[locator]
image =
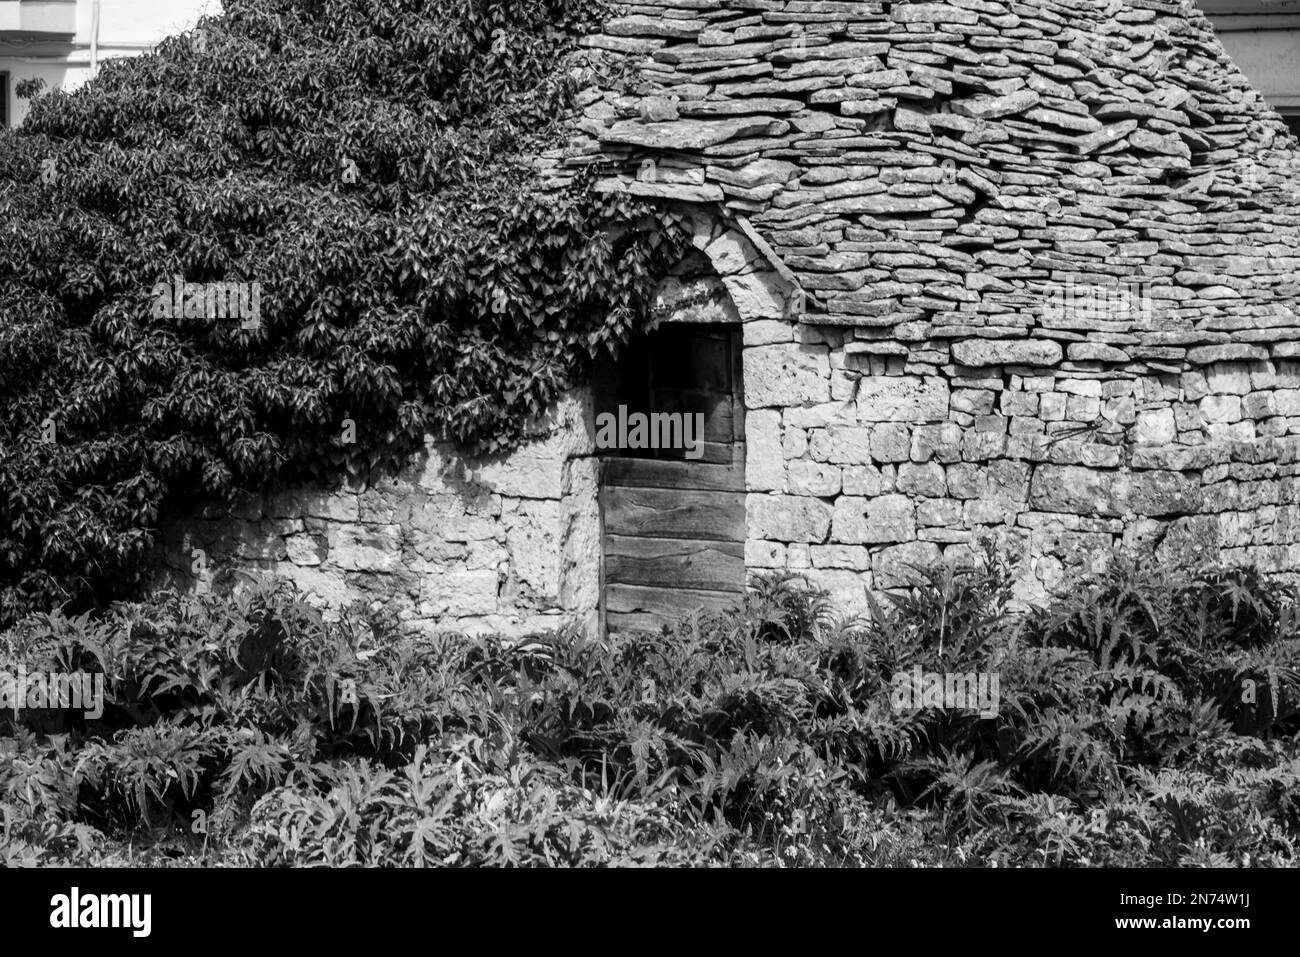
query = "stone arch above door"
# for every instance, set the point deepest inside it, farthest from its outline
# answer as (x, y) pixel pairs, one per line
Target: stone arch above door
(760, 287)
(673, 528)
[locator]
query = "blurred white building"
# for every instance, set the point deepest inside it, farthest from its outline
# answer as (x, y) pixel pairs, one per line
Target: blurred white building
(1263, 39)
(63, 41)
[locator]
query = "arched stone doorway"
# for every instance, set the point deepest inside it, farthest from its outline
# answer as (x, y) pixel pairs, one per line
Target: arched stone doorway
(673, 514)
(672, 484)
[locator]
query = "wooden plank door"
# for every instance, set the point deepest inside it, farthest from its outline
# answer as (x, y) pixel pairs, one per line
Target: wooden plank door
(674, 527)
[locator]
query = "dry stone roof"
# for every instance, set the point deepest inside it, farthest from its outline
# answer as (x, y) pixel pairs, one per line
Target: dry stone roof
(939, 171)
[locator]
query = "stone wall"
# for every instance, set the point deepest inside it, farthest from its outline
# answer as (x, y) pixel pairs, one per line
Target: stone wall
(508, 544)
(511, 544)
(863, 464)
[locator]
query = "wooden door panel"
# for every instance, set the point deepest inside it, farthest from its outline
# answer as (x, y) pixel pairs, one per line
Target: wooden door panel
(646, 607)
(719, 416)
(661, 473)
(675, 513)
(675, 563)
(674, 527)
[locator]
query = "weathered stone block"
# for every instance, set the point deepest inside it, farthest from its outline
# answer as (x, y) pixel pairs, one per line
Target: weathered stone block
(862, 480)
(533, 541)
(1083, 491)
(252, 542)
(966, 480)
(459, 592)
(843, 445)
(534, 471)
(785, 374)
(943, 512)
(1221, 408)
(368, 548)
(759, 554)
(1287, 401)
(1229, 378)
(1206, 355)
(1156, 427)
(305, 550)
(1051, 407)
(1258, 405)
(886, 518)
(580, 539)
(764, 461)
(1121, 410)
(939, 442)
(980, 446)
(1095, 352)
(729, 253)
(758, 295)
(1007, 482)
(972, 401)
(890, 442)
(924, 480)
(1087, 491)
(855, 557)
(885, 398)
(985, 511)
(452, 518)
(1008, 352)
(787, 518)
(1082, 408)
(1232, 431)
(813, 478)
(1019, 403)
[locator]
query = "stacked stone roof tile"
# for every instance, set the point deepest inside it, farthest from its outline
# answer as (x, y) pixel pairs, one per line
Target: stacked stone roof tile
(939, 172)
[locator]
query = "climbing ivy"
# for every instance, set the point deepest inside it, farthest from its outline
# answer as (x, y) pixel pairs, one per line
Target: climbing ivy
(363, 169)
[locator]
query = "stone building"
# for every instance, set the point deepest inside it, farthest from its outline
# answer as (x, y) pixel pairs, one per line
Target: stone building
(63, 42)
(1263, 39)
(971, 268)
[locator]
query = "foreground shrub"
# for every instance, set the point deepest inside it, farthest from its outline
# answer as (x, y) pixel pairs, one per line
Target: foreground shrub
(1149, 716)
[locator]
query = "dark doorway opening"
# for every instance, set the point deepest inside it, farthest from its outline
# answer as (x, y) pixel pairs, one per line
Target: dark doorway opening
(673, 515)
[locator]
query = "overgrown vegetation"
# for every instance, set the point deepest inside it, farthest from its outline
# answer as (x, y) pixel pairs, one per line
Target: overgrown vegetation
(436, 291)
(1149, 716)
